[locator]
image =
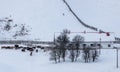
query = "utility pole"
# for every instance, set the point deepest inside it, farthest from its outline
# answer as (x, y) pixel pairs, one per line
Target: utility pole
(117, 57)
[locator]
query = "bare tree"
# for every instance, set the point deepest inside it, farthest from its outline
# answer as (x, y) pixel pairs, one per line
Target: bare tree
(7, 27)
(7, 21)
(90, 53)
(53, 55)
(7, 24)
(62, 41)
(77, 40)
(86, 54)
(72, 52)
(23, 30)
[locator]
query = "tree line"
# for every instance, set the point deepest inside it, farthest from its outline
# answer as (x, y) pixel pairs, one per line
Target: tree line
(65, 49)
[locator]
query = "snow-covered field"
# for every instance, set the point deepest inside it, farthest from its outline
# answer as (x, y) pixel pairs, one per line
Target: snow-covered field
(17, 61)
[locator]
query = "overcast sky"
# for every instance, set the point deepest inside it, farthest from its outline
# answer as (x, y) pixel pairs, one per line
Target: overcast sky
(46, 16)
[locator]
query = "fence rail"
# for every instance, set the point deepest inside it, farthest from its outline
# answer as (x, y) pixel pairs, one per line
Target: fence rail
(47, 42)
(24, 42)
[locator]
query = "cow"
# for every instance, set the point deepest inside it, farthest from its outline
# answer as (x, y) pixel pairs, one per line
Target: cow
(23, 50)
(30, 49)
(36, 50)
(7, 47)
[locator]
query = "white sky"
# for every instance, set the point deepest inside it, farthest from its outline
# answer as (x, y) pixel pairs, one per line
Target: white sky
(45, 16)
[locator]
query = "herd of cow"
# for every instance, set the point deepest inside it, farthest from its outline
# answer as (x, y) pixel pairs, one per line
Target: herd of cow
(24, 48)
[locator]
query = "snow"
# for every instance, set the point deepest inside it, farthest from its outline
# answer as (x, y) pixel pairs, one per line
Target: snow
(17, 61)
(46, 17)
